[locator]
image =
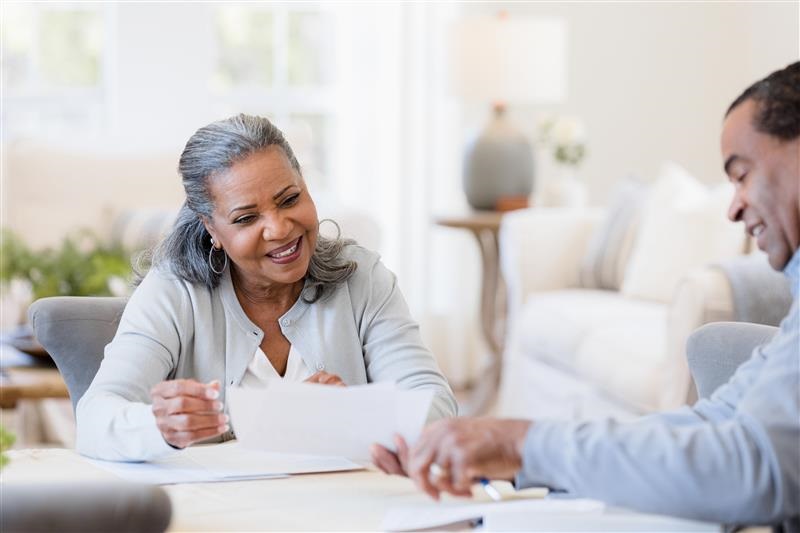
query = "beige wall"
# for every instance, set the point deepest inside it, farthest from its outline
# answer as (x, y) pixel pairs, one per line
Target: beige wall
(653, 80)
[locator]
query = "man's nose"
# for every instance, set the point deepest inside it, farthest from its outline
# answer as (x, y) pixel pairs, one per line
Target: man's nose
(736, 209)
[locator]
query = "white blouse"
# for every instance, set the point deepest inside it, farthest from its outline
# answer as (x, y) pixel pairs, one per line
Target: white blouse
(260, 369)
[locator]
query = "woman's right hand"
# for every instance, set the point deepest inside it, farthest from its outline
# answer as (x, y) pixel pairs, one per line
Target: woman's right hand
(188, 411)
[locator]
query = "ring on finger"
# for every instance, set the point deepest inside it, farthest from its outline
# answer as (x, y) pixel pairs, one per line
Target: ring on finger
(436, 472)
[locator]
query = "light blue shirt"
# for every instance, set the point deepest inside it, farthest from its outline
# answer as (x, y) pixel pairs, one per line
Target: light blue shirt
(732, 458)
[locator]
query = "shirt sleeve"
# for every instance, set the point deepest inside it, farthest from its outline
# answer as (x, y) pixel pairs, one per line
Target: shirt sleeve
(114, 419)
(393, 347)
(734, 458)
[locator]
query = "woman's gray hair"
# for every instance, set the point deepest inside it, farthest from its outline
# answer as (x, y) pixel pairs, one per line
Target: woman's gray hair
(214, 149)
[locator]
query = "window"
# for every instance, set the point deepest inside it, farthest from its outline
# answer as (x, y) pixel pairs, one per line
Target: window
(53, 75)
(279, 61)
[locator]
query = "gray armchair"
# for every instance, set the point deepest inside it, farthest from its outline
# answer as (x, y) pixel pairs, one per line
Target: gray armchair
(75, 330)
(714, 352)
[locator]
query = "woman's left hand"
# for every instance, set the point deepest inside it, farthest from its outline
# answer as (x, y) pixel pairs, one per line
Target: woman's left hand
(390, 462)
(323, 378)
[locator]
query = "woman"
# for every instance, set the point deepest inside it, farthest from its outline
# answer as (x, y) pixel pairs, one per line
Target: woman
(242, 290)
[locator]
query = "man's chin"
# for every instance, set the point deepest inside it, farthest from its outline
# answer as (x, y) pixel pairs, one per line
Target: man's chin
(778, 259)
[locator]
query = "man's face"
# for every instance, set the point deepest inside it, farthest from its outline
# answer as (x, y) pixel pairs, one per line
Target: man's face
(766, 173)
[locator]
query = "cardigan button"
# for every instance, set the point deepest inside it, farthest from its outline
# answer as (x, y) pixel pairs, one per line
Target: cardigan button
(320, 367)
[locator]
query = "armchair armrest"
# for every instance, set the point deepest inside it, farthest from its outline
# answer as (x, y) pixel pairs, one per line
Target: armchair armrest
(742, 289)
(703, 295)
(541, 249)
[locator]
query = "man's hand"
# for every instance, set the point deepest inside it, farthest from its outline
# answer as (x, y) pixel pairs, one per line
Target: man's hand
(390, 462)
(188, 411)
(464, 450)
(323, 378)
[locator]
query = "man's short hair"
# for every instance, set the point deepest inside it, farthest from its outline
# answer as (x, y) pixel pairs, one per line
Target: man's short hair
(777, 99)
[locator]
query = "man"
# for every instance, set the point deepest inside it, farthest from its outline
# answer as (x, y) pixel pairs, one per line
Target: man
(733, 458)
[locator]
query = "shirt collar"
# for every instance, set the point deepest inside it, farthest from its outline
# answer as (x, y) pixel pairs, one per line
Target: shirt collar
(792, 271)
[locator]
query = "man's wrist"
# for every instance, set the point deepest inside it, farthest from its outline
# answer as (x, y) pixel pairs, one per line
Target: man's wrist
(521, 433)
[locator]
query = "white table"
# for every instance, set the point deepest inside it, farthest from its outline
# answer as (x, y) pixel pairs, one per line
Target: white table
(349, 501)
(336, 501)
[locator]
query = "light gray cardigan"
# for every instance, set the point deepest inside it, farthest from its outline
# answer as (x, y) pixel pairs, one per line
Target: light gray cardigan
(362, 331)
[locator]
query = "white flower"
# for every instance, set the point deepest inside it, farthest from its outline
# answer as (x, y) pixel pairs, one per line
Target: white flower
(566, 137)
(568, 131)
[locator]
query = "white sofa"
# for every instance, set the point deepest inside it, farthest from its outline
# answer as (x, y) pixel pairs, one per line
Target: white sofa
(584, 353)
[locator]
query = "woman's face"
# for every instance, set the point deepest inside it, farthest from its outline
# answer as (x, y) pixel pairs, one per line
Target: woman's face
(264, 218)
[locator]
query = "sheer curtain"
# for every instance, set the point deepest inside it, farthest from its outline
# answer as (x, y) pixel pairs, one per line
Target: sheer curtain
(398, 154)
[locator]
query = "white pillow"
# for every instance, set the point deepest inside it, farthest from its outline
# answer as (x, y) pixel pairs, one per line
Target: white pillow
(684, 225)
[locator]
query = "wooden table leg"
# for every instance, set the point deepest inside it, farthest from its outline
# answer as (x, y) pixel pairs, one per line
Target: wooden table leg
(492, 322)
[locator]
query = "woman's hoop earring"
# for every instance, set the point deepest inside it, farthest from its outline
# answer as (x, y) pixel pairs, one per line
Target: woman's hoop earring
(336, 225)
(211, 259)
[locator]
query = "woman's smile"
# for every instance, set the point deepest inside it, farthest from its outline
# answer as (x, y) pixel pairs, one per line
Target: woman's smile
(288, 253)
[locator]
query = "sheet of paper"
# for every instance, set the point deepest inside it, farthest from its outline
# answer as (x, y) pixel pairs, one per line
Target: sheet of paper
(223, 462)
(434, 515)
(291, 417)
(611, 520)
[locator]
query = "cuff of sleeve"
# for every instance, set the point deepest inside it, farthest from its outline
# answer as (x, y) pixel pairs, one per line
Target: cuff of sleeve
(151, 445)
(543, 454)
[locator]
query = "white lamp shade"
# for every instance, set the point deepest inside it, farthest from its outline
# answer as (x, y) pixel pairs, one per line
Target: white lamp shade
(509, 60)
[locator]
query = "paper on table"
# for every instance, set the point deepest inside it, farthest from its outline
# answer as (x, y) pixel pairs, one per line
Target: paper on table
(610, 520)
(317, 419)
(424, 516)
(223, 462)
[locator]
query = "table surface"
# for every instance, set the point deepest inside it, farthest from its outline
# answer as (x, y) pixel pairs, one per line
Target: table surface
(316, 502)
(344, 501)
(476, 220)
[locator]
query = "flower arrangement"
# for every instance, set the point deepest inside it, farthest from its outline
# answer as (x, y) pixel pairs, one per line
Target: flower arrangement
(566, 136)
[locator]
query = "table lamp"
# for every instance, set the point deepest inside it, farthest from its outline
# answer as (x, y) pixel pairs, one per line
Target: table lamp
(505, 61)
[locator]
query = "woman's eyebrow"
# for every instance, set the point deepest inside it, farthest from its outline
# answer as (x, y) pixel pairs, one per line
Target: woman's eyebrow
(242, 208)
(280, 193)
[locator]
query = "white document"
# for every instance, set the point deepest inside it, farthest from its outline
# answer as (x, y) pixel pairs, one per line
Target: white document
(223, 462)
(611, 521)
(291, 417)
(440, 514)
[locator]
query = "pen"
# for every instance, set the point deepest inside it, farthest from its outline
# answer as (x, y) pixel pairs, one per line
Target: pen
(489, 489)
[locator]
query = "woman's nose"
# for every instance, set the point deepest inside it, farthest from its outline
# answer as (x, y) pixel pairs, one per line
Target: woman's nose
(277, 227)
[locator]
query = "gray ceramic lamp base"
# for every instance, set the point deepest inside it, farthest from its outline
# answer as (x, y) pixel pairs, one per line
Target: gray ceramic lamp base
(498, 166)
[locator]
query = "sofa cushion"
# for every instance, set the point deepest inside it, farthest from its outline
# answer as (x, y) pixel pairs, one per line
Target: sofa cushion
(684, 225)
(603, 266)
(615, 342)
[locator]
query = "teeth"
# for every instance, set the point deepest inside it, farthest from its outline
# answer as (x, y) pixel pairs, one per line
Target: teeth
(284, 253)
(757, 230)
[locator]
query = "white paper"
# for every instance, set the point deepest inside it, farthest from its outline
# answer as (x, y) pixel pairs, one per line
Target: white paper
(291, 417)
(223, 462)
(439, 514)
(611, 520)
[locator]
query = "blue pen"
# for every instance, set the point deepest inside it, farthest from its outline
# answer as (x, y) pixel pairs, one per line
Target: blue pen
(489, 489)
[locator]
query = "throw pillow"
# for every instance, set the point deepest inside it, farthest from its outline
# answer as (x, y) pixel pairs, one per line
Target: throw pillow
(603, 266)
(683, 226)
